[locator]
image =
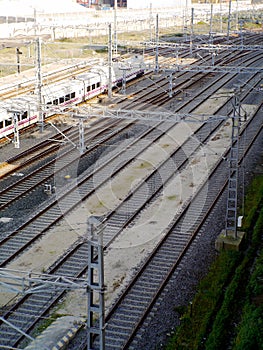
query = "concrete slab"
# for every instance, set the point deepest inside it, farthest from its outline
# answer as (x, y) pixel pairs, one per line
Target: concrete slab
(57, 335)
(230, 242)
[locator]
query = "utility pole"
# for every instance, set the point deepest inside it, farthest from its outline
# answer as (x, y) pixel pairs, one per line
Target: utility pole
(115, 28)
(241, 34)
(96, 288)
(81, 136)
(191, 31)
(18, 53)
(171, 85)
(211, 25)
(35, 22)
(237, 16)
(231, 214)
(157, 44)
(221, 17)
(15, 118)
(150, 22)
(39, 86)
(110, 63)
(229, 20)
(185, 13)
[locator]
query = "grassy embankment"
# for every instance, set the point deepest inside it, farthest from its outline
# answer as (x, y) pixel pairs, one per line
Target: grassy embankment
(227, 311)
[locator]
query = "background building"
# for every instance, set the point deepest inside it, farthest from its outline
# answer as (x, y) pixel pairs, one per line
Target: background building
(157, 3)
(134, 4)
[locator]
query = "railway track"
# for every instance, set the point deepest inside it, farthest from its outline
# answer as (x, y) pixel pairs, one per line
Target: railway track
(128, 314)
(186, 81)
(24, 87)
(37, 177)
(45, 149)
(15, 315)
(66, 199)
(54, 296)
(13, 236)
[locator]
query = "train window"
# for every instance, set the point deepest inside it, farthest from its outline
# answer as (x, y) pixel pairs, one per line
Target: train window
(98, 84)
(73, 95)
(67, 97)
(24, 115)
(61, 99)
(1, 125)
(49, 103)
(55, 102)
(93, 86)
(88, 88)
(8, 122)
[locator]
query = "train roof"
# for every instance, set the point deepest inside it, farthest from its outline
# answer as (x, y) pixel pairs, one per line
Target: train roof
(133, 61)
(3, 112)
(23, 103)
(19, 104)
(60, 89)
(93, 73)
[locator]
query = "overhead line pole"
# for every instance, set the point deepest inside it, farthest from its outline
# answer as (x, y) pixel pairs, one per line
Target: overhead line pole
(15, 118)
(95, 289)
(191, 31)
(157, 44)
(115, 28)
(229, 20)
(39, 86)
(231, 214)
(211, 24)
(110, 63)
(150, 22)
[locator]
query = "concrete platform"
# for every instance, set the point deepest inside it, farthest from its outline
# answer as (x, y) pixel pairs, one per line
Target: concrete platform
(57, 335)
(230, 242)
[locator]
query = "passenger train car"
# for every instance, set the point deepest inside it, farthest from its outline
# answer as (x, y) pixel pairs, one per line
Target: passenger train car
(64, 95)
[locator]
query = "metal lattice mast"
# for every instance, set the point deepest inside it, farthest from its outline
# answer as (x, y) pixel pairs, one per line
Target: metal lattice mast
(157, 45)
(115, 28)
(150, 22)
(81, 137)
(27, 283)
(229, 20)
(110, 63)
(15, 116)
(191, 31)
(39, 86)
(124, 79)
(211, 25)
(231, 214)
(16, 131)
(95, 290)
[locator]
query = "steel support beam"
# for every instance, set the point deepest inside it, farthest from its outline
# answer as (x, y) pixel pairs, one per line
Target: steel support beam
(15, 120)
(231, 213)
(96, 289)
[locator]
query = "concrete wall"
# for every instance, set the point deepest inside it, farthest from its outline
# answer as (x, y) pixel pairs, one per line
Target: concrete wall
(137, 4)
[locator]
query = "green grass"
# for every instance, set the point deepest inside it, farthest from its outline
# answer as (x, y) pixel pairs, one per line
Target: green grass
(197, 319)
(252, 201)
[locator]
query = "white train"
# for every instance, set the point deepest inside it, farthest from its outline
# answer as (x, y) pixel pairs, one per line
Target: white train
(64, 95)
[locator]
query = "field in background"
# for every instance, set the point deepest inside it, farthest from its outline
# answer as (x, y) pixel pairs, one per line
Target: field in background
(92, 47)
